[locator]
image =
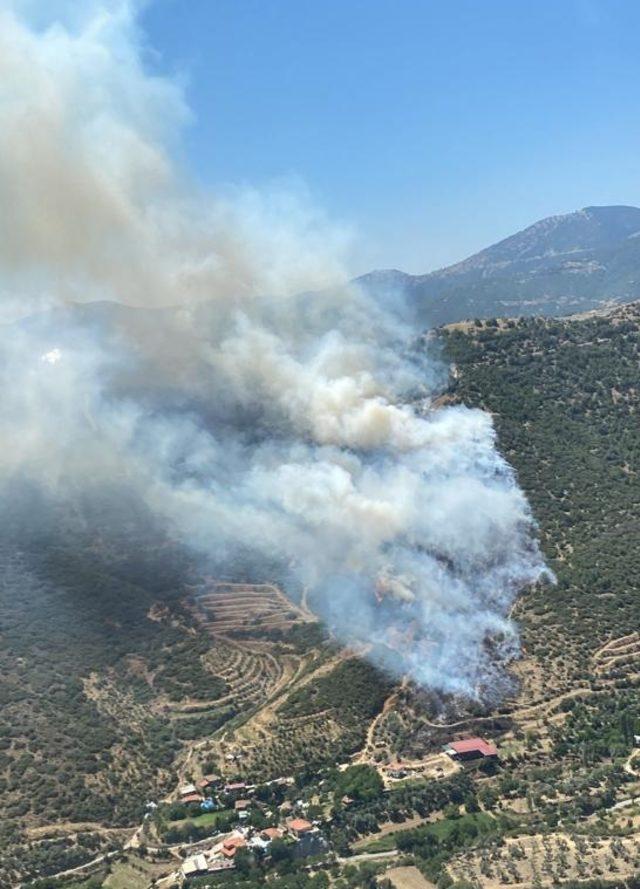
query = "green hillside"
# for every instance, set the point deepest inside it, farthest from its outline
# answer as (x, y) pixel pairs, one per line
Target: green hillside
(564, 394)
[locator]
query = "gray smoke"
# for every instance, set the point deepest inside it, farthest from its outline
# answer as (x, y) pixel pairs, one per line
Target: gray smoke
(221, 369)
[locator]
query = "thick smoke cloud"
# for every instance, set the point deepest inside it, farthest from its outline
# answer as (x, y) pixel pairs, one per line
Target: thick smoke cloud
(218, 367)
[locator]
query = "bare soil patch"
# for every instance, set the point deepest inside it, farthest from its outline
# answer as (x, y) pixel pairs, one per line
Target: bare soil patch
(407, 878)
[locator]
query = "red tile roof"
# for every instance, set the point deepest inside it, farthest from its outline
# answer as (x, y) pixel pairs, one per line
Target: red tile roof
(191, 798)
(299, 825)
(206, 781)
(473, 745)
(231, 846)
(234, 842)
(273, 833)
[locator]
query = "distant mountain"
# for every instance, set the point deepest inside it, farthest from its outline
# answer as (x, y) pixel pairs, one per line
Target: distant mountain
(558, 266)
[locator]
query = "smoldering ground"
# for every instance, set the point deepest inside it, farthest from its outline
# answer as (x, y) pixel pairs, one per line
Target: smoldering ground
(203, 353)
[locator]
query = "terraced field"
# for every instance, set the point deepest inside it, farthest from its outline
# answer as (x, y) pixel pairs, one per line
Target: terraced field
(254, 669)
(231, 608)
(618, 657)
(249, 673)
(259, 667)
(269, 742)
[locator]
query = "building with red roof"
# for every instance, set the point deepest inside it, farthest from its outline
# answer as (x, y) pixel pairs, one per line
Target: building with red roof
(271, 833)
(471, 748)
(235, 788)
(207, 781)
(231, 846)
(299, 826)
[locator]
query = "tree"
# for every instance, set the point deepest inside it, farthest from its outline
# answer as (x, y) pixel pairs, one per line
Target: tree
(471, 803)
(361, 782)
(280, 851)
(243, 861)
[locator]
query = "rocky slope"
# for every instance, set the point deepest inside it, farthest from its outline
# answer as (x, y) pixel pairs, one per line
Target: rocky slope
(558, 266)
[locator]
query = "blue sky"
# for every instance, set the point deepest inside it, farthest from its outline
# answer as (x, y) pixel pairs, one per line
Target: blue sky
(433, 128)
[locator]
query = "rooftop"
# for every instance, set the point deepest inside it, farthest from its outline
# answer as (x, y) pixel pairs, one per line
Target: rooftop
(273, 833)
(473, 745)
(234, 843)
(300, 825)
(235, 785)
(194, 865)
(207, 780)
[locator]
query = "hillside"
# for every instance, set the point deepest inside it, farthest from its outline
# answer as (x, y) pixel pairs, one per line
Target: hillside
(564, 396)
(564, 806)
(558, 266)
(113, 699)
(115, 683)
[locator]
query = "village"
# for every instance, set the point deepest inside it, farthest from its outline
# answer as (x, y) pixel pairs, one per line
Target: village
(268, 822)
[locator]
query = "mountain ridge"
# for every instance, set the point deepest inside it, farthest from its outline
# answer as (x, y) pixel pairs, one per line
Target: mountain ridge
(559, 265)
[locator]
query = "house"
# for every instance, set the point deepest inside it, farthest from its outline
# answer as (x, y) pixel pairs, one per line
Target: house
(471, 748)
(231, 846)
(396, 770)
(207, 781)
(187, 790)
(191, 798)
(241, 805)
(299, 827)
(198, 864)
(235, 787)
(271, 833)
(208, 805)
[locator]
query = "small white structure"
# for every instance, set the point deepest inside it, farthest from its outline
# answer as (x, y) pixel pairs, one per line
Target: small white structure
(196, 865)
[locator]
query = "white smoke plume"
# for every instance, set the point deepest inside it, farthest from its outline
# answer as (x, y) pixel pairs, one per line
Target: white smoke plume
(219, 367)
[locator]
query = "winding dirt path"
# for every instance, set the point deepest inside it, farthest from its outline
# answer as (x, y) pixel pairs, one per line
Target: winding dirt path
(628, 765)
(365, 754)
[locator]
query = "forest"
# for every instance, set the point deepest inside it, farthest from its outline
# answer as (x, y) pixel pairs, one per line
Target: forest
(564, 397)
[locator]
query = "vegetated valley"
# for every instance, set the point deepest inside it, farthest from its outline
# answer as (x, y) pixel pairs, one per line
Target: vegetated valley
(127, 677)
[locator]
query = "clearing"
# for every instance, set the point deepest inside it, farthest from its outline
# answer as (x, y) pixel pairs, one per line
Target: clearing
(407, 878)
